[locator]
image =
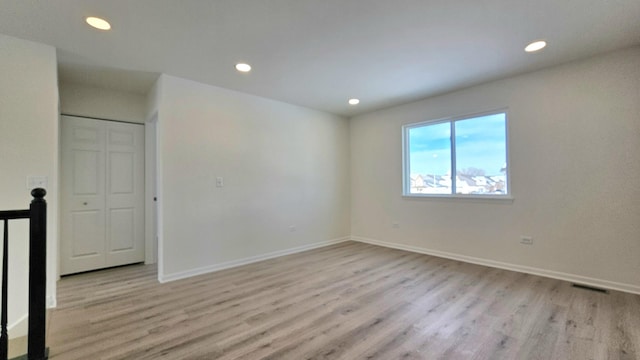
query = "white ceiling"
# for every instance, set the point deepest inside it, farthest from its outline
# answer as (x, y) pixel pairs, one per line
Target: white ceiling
(320, 53)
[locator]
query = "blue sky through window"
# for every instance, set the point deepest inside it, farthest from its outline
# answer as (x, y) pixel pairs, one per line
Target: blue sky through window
(480, 144)
(430, 149)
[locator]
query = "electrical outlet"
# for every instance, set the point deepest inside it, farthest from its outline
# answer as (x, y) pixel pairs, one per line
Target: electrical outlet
(292, 228)
(219, 181)
(526, 240)
(395, 225)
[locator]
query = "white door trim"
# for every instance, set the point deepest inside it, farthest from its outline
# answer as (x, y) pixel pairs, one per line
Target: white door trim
(151, 224)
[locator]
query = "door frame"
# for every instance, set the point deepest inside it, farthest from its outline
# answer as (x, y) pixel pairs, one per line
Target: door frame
(151, 186)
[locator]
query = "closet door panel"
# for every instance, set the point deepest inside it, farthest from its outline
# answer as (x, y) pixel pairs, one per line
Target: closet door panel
(125, 194)
(102, 194)
(82, 245)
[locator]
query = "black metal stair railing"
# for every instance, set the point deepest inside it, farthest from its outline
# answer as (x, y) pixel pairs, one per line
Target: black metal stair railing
(37, 215)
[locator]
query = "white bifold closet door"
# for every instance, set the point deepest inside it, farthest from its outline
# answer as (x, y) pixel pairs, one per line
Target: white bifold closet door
(102, 194)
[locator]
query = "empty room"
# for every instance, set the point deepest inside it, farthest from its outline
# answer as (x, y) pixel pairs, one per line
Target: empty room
(320, 179)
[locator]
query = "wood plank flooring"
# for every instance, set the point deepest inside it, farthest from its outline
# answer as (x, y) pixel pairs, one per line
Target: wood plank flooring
(348, 301)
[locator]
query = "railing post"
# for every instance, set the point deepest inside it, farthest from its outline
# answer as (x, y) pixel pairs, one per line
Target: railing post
(37, 275)
(4, 336)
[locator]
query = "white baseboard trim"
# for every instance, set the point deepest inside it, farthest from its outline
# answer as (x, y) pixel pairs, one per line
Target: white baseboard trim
(19, 327)
(235, 263)
(579, 279)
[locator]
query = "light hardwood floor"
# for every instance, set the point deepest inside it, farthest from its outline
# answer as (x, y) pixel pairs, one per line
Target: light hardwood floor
(347, 301)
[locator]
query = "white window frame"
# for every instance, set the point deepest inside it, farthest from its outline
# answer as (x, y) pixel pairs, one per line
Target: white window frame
(406, 176)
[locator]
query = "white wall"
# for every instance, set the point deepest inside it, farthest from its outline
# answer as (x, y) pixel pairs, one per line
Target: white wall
(152, 100)
(282, 165)
(28, 146)
(574, 150)
(91, 101)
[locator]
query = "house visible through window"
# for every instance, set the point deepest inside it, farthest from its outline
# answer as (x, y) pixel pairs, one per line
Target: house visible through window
(462, 156)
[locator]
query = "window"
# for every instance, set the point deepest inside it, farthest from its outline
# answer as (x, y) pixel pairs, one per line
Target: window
(474, 148)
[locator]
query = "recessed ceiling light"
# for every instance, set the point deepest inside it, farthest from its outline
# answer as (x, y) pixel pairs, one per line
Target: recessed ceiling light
(535, 46)
(243, 67)
(354, 101)
(98, 23)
